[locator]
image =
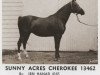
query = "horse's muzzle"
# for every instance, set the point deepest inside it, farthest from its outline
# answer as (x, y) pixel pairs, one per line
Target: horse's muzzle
(82, 12)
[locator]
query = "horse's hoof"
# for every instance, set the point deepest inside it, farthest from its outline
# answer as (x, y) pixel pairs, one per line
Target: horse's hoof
(27, 56)
(19, 59)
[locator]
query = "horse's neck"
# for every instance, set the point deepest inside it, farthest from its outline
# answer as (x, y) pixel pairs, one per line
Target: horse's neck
(64, 13)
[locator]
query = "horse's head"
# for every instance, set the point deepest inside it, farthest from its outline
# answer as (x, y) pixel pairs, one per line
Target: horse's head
(75, 8)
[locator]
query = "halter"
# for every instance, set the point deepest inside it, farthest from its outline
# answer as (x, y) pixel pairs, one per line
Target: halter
(83, 22)
(71, 4)
(78, 17)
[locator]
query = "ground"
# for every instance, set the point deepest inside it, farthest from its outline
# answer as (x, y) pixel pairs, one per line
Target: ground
(68, 57)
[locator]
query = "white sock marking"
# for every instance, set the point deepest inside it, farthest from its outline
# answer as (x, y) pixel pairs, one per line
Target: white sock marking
(19, 57)
(25, 52)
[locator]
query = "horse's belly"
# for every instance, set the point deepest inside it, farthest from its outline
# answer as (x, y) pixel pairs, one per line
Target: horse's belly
(42, 31)
(42, 34)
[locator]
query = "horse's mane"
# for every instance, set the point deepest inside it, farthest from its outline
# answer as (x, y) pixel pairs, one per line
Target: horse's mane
(63, 7)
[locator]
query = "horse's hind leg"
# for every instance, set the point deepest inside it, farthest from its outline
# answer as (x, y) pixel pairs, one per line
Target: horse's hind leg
(24, 44)
(19, 45)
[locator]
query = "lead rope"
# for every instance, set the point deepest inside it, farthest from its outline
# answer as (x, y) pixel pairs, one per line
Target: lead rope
(83, 22)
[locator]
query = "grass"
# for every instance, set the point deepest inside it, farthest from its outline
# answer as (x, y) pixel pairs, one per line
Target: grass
(67, 57)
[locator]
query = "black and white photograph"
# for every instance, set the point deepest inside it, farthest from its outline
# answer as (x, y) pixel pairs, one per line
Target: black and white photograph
(50, 32)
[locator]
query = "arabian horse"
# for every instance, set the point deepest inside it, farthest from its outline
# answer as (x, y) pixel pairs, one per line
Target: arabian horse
(51, 26)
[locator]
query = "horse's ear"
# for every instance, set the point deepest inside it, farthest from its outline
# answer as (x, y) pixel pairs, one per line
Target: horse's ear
(73, 0)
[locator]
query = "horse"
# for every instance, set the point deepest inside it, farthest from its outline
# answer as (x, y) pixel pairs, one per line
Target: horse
(50, 26)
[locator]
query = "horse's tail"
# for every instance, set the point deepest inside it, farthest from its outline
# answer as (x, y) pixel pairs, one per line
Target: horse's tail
(19, 18)
(19, 21)
(20, 24)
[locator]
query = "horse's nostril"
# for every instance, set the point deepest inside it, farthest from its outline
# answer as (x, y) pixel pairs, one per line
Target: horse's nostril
(83, 12)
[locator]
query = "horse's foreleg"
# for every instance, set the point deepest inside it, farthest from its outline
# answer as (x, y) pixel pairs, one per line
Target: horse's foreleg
(57, 39)
(19, 45)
